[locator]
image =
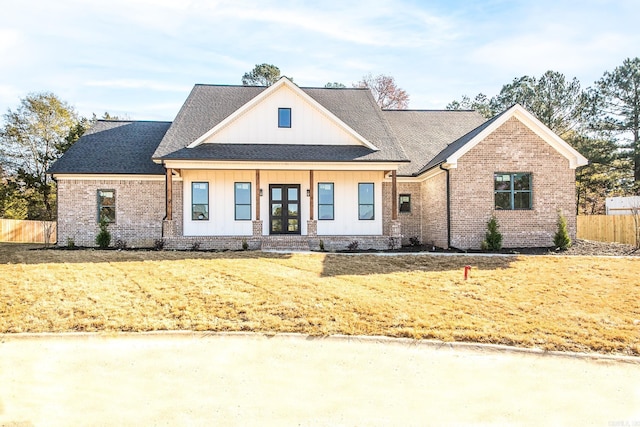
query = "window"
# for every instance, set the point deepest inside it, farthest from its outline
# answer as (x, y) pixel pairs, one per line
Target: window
(512, 190)
(365, 201)
(243, 201)
(199, 201)
(284, 117)
(325, 200)
(405, 203)
(107, 205)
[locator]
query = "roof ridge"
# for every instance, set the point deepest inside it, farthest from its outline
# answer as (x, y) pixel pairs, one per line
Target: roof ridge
(132, 121)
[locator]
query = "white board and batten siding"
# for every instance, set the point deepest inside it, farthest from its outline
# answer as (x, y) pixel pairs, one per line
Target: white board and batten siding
(260, 124)
(222, 221)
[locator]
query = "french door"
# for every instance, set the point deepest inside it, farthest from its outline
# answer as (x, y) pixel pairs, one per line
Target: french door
(284, 215)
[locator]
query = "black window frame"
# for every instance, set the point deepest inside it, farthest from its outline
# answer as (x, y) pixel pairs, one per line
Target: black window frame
(512, 191)
(208, 215)
(100, 205)
(236, 204)
(332, 204)
(373, 200)
(281, 123)
(408, 210)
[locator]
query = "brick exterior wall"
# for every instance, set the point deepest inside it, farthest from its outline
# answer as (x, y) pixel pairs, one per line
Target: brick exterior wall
(513, 147)
(140, 207)
(434, 208)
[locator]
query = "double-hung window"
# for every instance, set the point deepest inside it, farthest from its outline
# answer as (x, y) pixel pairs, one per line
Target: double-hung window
(325, 201)
(405, 203)
(199, 201)
(243, 201)
(366, 206)
(512, 191)
(107, 205)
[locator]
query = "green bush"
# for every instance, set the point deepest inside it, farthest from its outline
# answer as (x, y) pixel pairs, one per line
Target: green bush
(493, 237)
(103, 239)
(562, 240)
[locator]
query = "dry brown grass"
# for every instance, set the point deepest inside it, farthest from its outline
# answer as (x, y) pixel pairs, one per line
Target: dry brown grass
(549, 302)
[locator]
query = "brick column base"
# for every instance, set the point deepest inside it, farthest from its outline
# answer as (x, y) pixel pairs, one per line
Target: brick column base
(169, 228)
(312, 228)
(396, 229)
(257, 228)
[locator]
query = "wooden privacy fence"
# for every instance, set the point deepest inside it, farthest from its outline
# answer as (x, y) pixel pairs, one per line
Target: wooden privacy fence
(608, 228)
(23, 231)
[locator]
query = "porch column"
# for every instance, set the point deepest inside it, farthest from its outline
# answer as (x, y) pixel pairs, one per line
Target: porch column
(394, 196)
(169, 198)
(257, 224)
(312, 225)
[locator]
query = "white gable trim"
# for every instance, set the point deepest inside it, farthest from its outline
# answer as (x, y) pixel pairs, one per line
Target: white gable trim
(575, 159)
(267, 92)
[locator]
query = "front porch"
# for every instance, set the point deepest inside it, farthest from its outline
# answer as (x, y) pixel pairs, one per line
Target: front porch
(310, 242)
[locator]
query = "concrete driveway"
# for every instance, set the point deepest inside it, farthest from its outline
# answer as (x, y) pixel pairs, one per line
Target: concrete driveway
(200, 379)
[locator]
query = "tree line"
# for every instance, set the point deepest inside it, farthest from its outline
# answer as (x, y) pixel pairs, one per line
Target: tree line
(602, 122)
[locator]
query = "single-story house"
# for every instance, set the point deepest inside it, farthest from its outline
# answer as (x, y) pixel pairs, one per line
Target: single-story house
(288, 167)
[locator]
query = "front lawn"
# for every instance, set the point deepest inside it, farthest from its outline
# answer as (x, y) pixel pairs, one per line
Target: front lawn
(550, 302)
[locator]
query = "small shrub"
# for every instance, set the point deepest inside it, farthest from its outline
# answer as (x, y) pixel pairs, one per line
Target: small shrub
(493, 237)
(245, 245)
(561, 240)
(353, 246)
(103, 239)
(414, 241)
(158, 244)
(71, 244)
(484, 245)
(120, 244)
(195, 246)
(321, 245)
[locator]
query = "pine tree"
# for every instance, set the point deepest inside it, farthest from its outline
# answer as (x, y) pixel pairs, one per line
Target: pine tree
(493, 237)
(562, 240)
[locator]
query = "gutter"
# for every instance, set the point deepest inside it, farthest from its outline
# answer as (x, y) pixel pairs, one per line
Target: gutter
(448, 207)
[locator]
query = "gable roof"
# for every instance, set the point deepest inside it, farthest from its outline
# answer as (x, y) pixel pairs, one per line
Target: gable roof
(209, 105)
(114, 147)
(283, 82)
(450, 155)
(425, 133)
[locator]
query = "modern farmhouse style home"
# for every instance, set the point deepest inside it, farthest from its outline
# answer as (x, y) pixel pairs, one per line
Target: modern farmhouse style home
(288, 167)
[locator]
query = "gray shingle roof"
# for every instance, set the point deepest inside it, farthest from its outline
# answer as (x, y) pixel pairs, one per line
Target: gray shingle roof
(274, 152)
(424, 133)
(208, 105)
(457, 144)
(114, 147)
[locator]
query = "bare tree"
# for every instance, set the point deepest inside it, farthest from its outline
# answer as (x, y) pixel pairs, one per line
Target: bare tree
(385, 91)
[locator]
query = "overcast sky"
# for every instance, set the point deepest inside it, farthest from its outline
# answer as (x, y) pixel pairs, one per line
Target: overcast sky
(140, 58)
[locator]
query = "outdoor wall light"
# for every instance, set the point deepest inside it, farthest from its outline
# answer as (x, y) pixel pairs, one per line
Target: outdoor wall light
(261, 192)
(308, 192)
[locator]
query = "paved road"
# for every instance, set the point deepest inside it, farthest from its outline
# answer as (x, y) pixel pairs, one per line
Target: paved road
(199, 379)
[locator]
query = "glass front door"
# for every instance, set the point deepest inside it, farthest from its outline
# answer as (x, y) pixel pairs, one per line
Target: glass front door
(284, 216)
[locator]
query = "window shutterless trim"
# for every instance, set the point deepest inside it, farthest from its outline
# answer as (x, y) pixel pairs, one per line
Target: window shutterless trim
(100, 205)
(332, 204)
(236, 204)
(512, 191)
(400, 203)
(284, 121)
(373, 205)
(205, 218)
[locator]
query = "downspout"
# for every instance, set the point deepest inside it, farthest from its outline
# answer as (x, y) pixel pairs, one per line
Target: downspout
(448, 208)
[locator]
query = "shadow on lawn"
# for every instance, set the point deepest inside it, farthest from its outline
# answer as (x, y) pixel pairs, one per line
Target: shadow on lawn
(345, 265)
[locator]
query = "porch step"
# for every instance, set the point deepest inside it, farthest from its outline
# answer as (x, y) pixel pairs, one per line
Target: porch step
(285, 243)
